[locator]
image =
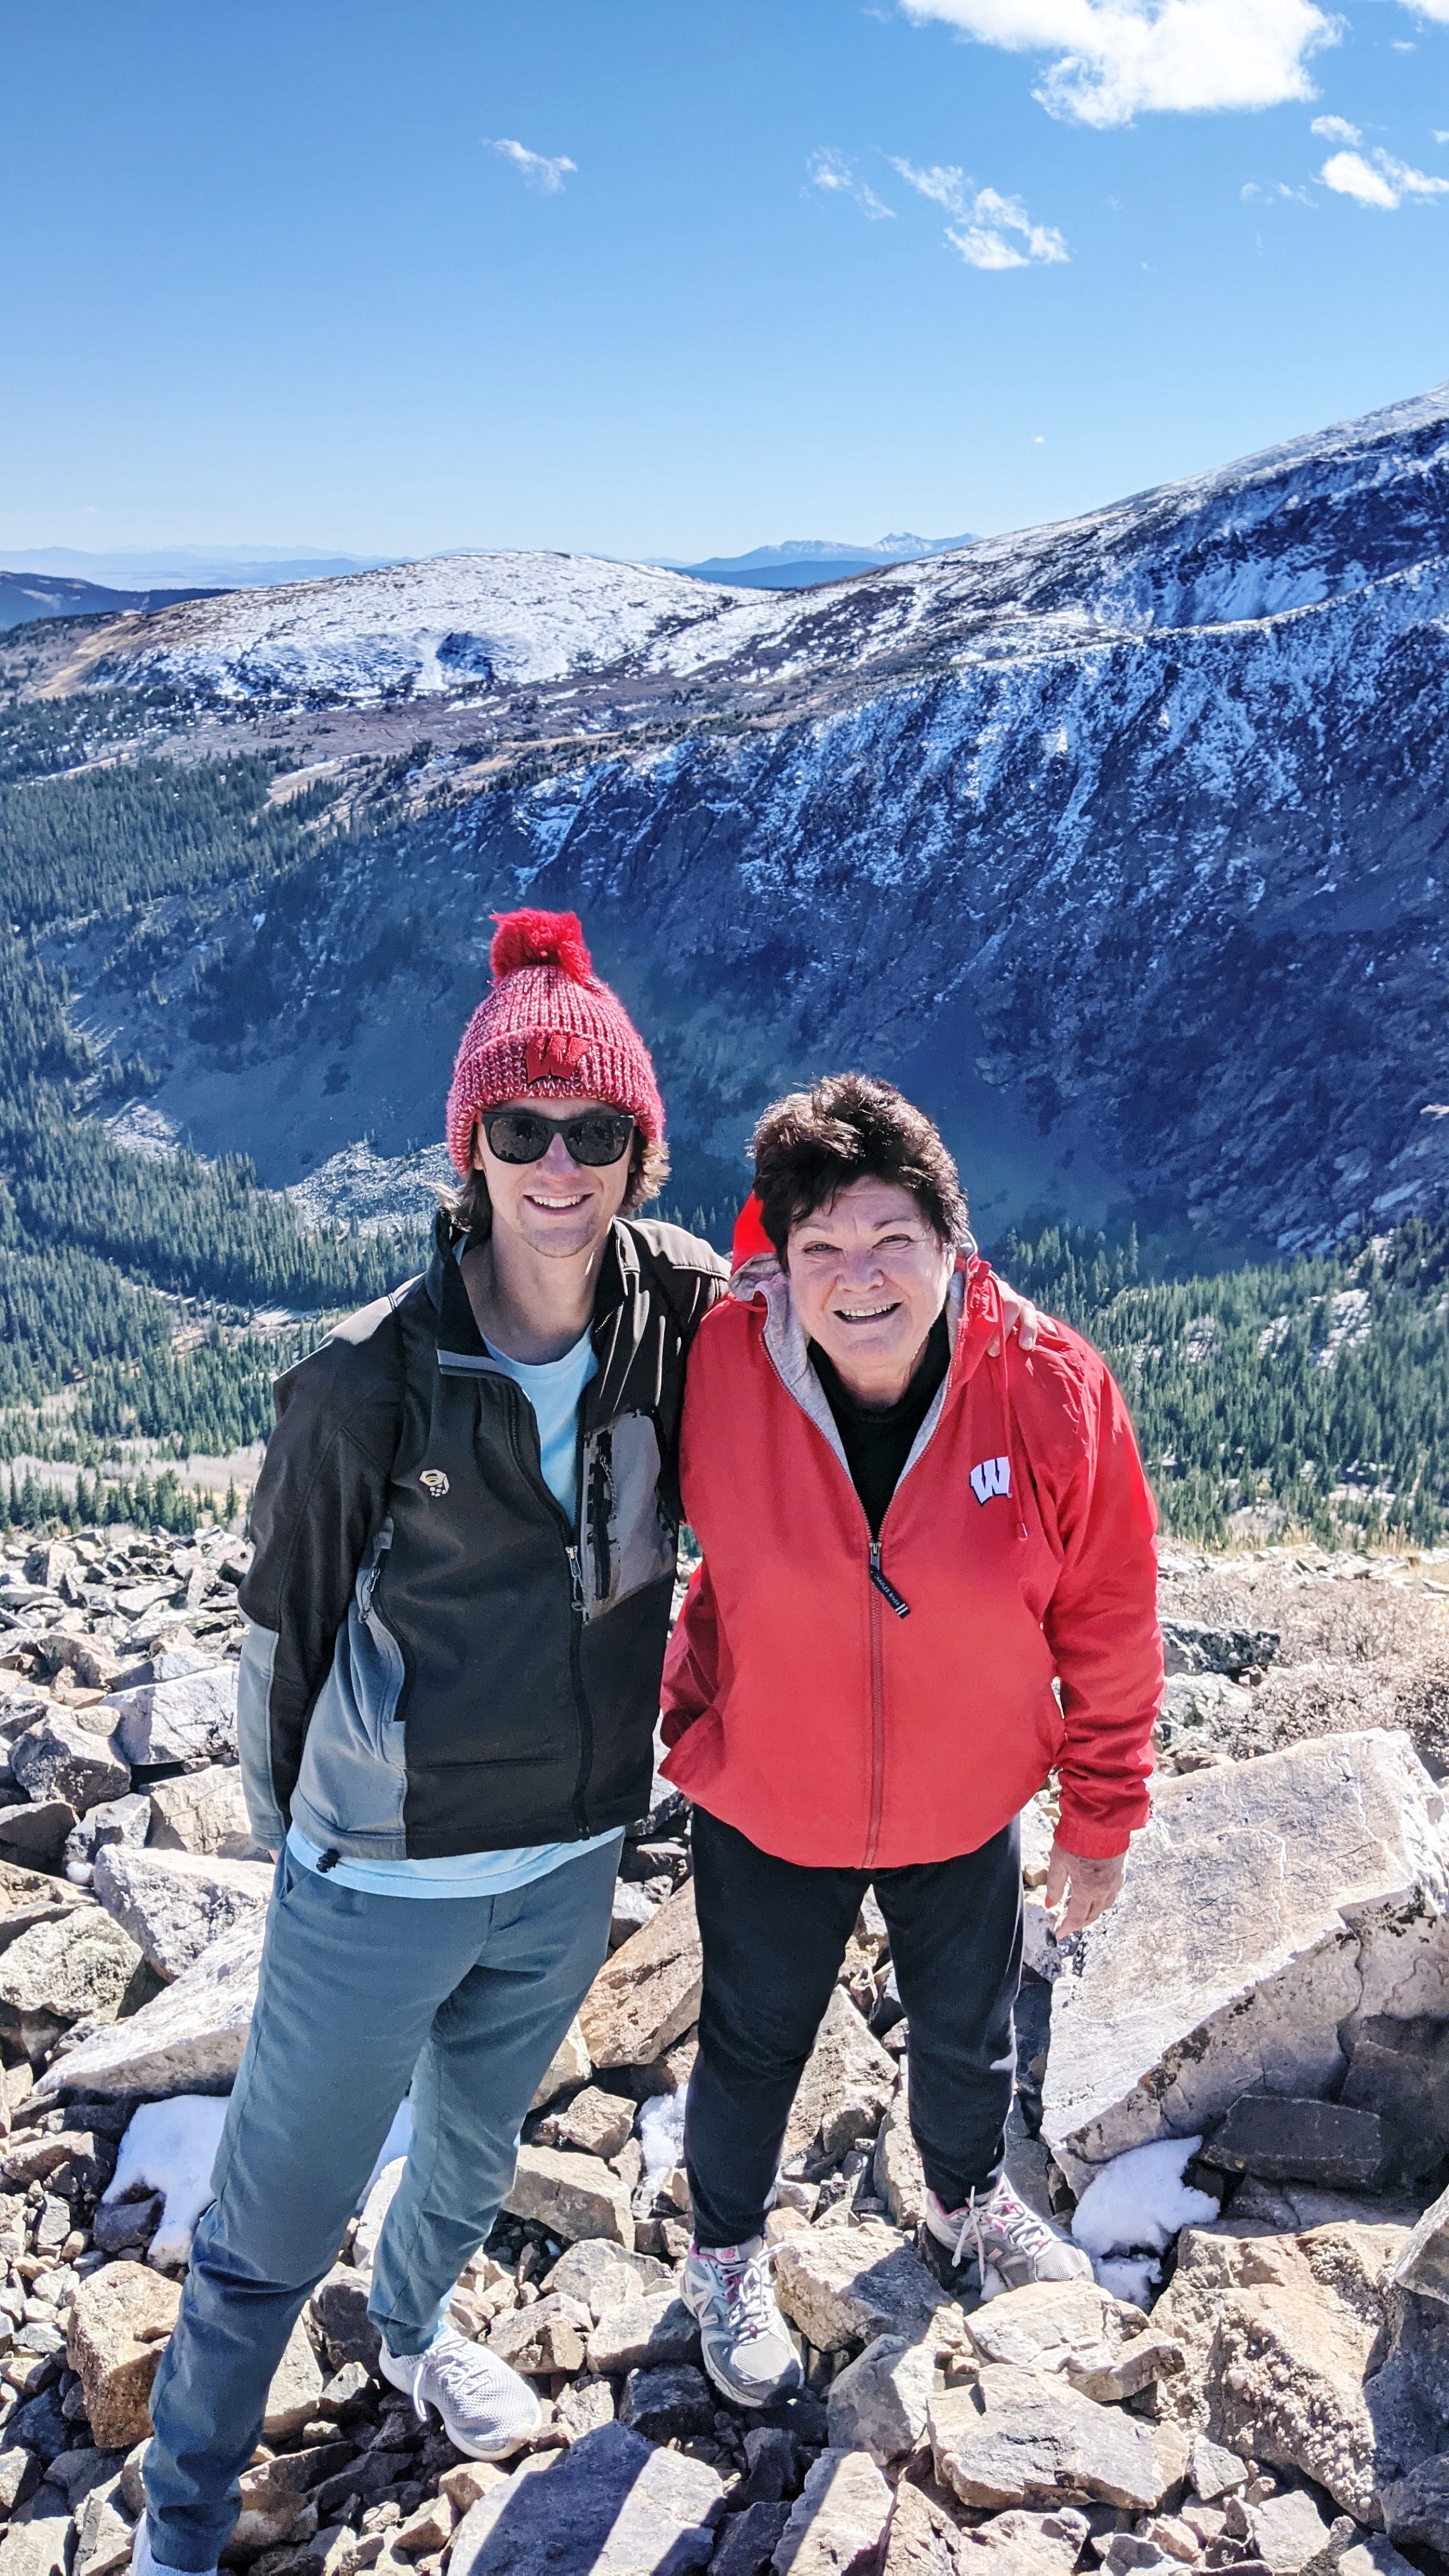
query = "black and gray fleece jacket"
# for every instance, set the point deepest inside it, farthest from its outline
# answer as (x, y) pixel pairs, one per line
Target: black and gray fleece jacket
(436, 1661)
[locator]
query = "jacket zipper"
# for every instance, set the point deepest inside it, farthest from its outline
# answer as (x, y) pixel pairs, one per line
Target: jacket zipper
(882, 1589)
(884, 1585)
(573, 1560)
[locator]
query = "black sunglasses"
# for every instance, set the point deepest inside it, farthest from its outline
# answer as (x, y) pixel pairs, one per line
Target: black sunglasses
(525, 1135)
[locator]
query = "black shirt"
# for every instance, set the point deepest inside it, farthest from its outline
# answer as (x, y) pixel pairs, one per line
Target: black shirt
(878, 1440)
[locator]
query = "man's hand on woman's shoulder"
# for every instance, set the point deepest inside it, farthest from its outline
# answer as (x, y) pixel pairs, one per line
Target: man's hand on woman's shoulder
(1019, 1316)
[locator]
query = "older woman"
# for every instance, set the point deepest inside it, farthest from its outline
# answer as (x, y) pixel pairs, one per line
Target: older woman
(928, 1582)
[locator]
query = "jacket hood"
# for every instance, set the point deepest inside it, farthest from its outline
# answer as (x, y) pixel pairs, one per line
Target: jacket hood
(972, 1297)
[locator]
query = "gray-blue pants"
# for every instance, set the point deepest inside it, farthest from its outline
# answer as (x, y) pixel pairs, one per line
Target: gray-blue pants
(466, 1999)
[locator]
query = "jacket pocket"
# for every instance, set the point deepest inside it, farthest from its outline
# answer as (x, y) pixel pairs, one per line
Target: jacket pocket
(353, 1779)
(627, 1540)
(697, 1757)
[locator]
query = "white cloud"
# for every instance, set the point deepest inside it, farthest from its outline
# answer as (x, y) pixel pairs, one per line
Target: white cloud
(541, 173)
(988, 242)
(1253, 189)
(1335, 129)
(832, 172)
(1383, 181)
(1115, 58)
(945, 186)
(990, 231)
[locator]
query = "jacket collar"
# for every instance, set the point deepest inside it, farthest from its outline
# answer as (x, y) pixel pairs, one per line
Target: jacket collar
(460, 1344)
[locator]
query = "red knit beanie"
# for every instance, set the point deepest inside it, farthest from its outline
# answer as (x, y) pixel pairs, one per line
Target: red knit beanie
(549, 1028)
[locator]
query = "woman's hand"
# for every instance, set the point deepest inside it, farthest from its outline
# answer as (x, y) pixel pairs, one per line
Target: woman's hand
(1019, 1316)
(1089, 1887)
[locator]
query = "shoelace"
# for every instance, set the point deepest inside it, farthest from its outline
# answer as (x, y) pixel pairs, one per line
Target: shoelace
(1021, 2227)
(749, 2296)
(455, 2371)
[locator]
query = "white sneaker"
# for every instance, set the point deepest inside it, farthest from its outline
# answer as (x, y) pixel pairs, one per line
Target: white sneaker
(1007, 2239)
(487, 2411)
(142, 2561)
(746, 2342)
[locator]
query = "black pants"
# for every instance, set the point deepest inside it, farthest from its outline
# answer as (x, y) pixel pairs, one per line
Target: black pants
(774, 1936)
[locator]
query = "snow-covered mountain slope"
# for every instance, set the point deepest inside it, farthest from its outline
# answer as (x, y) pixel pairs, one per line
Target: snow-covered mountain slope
(1122, 842)
(452, 625)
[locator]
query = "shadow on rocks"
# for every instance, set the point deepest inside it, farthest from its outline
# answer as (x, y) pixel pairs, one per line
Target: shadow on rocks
(613, 2500)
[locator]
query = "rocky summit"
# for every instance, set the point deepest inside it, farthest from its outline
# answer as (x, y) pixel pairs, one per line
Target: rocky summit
(1117, 840)
(1234, 2090)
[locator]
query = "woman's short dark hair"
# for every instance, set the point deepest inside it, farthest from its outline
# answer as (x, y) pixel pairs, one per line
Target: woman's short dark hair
(469, 1205)
(852, 1127)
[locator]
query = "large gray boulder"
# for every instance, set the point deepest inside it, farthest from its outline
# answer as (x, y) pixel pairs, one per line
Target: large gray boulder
(188, 2040)
(175, 1720)
(115, 1820)
(37, 1829)
(56, 1758)
(203, 1811)
(38, 2540)
(878, 2403)
(1282, 2337)
(1268, 1906)
(571, 2195)
(843, 2285)
(81, 1964)
(1019, 2438)
(175, 1904)
(648, 1993)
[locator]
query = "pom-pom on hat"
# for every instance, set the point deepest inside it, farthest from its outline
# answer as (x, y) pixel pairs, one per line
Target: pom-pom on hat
(550, 1029)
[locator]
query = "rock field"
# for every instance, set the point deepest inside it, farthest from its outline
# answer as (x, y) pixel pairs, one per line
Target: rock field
(1246, 2065)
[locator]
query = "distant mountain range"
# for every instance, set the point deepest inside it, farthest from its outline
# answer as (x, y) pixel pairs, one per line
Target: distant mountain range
(801, 562)
(27, 597)
(184, 572)
(189, 568)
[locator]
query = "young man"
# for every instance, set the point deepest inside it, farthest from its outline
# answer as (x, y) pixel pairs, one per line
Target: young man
(464, 1567)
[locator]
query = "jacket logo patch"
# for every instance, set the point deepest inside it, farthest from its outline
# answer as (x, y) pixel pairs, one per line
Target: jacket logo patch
(436, 1482)
(991, 1476)
(557, 1051)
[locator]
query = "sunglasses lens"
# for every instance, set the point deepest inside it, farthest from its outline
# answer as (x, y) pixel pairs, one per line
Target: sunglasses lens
(599, 1137)
(517, 1137)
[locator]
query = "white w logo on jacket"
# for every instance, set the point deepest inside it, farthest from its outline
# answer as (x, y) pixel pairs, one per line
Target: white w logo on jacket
(991, 1476)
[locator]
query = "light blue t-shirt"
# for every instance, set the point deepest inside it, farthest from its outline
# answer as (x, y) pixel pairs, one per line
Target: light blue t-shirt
(555, 1390)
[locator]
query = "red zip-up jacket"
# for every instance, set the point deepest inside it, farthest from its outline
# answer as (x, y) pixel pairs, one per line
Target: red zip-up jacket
(858, 1705)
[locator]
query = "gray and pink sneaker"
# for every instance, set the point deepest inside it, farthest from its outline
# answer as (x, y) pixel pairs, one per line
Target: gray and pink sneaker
(745, 2340)
(1007, 2239)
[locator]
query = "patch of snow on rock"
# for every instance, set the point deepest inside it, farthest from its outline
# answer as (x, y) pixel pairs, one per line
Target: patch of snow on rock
(661, 2134)
(1140, 2200)
(171, 2147)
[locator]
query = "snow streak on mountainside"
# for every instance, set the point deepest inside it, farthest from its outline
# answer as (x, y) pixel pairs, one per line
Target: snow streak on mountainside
(1129, 830)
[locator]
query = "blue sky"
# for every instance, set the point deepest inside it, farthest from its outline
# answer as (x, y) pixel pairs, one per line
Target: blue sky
(657, 280)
